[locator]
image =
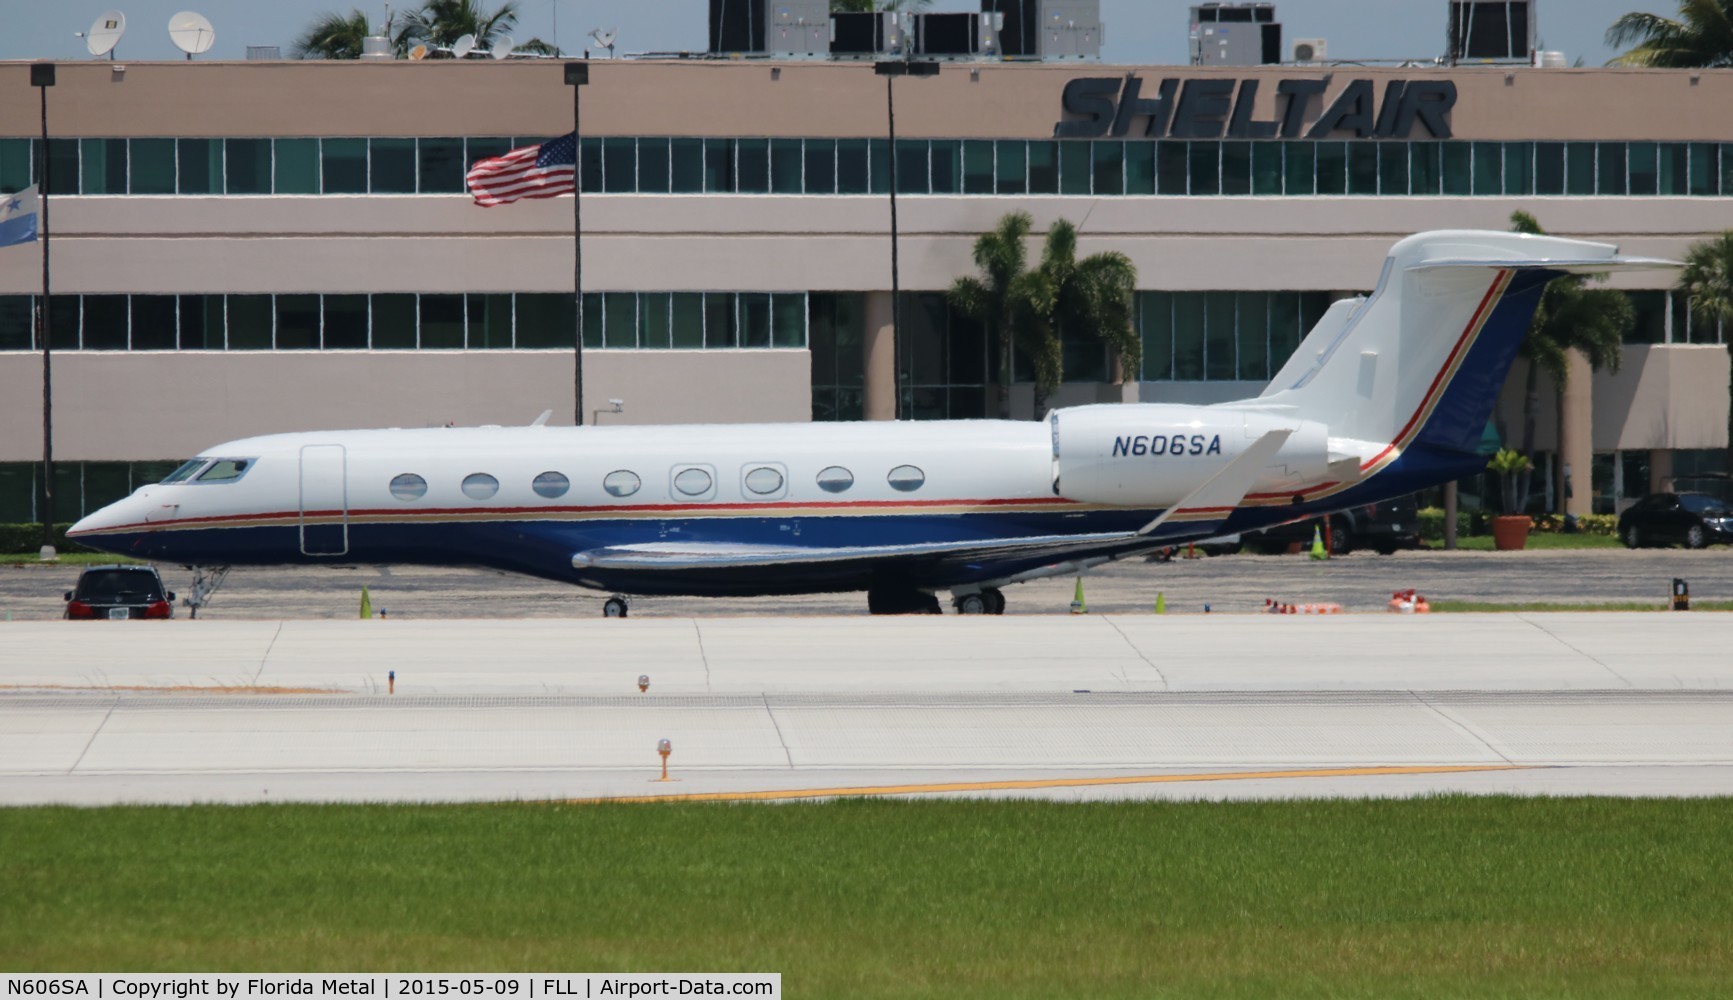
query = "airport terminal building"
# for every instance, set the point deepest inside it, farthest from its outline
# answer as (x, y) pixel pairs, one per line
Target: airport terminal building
(250, 247)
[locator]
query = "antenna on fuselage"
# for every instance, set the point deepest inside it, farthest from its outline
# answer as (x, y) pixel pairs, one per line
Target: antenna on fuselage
(542, 421)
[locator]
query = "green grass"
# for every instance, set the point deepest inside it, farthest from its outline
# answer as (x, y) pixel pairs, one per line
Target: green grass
(1443, 896)
(1547, 541)
(1696, 605)
(66, 559)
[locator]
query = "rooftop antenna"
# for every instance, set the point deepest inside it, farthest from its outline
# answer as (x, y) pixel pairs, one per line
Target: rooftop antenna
(191, 33)
(605, 38)
(104, 33)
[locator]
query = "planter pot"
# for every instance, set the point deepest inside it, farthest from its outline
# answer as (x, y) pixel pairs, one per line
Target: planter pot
(1509, 533)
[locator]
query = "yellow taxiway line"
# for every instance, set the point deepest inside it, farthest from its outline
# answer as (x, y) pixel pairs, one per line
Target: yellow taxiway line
(1043, 783)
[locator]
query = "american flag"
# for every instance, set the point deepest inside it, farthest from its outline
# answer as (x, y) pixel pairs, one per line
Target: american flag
(531, 172)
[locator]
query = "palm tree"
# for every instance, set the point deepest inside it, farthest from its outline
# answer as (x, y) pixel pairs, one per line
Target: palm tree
(1701, 37)
(1708, 280)
(333, 36)
(1092, 298)
(1029, 310)
(1002, 300)
(442, 22)
(1571, 316)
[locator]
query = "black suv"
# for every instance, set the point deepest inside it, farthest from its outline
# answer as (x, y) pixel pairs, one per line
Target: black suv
(119, 592)
(1383, 527)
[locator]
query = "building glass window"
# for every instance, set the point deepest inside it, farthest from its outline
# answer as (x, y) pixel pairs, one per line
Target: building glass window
(1363, 168)
(1204, 167)
(1610, 168)
(819, 166)
(17, 323)
(343, 166)
(592, 313)
(1109, 168)
(837, 323)
(786, 167)
(720, 329)
(620, 320)
(488, 319)
(65, 318)
(545, 320)
(719, 166)
(1188, 338)
(296, 165)
(1266, 168)
(1074, 167)
(1705, 169)
(1458, 168)
(852, 173)
(153, 166)
(914, 173)
(153, 323)
(1219, 336)
(752, 166)
(1252, 336)
(978, 170)
(391, 166)
(105, 323)
(297, 322)
(395, 322)
(247, 166)
(687, 316)
(441, 322)
(591, 166)
(653, 166)
(17, 164)
(1044, 167)
(345, 322)
(754, 319)
(788, 320)
(1393, 168)
(1488, 168)
(1674, 171)
(1155, 327)
(1580, 168)
(1140, 168)
(1236, 168)
(201, 323)
(251, 322)
(1011, 166)
(1332, 167)
(1519, 168)
(947, 159)
(1640, 171)
(879, 165)
(1651, 325)
(1171, 168)
(1549, 168)
(63, 166)
(439, 166)
(1299, 168)
(653, 320)
(687, 169)
(1286, 330)
(619, 165)
(103, 166)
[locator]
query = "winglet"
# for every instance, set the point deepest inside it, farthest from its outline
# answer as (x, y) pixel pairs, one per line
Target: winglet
(1222, 492)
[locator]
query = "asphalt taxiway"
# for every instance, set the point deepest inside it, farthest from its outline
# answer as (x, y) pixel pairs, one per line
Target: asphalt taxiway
(1065, 707)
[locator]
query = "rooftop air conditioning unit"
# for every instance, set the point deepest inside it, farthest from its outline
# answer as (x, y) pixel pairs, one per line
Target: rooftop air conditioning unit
(1311, 50)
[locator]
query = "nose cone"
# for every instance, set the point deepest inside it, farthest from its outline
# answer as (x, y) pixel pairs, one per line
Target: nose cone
(110, 529)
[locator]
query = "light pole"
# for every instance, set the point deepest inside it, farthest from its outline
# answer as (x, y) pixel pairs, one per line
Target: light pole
(42, 77)
(890, 69)
(577, 77)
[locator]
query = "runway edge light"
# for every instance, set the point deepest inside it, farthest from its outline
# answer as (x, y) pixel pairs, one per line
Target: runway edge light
(644, 685)
(1681, 595)
(664, 748)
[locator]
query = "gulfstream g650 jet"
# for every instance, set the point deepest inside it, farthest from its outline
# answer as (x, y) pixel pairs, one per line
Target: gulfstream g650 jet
(1387, 394)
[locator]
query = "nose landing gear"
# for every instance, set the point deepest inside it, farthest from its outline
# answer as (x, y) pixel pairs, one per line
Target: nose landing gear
(988, 601)
(614, 607)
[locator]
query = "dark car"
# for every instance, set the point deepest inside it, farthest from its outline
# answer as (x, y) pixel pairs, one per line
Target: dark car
(119, 592)
(1383, 527)
(1689, 519)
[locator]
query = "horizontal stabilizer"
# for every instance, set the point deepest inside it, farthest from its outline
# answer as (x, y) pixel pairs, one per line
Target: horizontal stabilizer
(1591, 265)
(1221, 494)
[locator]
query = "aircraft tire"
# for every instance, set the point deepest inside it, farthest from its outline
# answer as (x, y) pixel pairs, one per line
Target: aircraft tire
(614, 607)
(887, 601)
(995, 600)
(973, 604)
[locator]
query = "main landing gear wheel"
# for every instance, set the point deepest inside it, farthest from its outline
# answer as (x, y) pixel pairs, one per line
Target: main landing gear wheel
(614, 607)
(887, 601)
(990, 601)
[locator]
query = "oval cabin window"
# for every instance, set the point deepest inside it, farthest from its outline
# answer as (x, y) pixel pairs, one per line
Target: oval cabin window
(693, 482)
(551, 485)
(479, 486)
(764, 481)
(408, 486)
(906, 478)
(621, 483)
(835, 479)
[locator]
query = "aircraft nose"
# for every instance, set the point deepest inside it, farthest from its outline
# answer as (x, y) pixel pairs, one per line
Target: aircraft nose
(116, 515)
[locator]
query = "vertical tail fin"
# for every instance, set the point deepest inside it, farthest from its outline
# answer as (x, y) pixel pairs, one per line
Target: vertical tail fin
(1421, 361)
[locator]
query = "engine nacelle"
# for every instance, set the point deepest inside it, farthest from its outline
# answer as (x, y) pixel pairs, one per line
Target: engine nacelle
(1153, 455)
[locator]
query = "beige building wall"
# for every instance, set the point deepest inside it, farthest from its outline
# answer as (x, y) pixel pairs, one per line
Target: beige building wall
(1663, 396)
(162, 405)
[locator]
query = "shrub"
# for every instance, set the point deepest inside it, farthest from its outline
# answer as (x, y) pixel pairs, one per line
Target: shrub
(17, 539)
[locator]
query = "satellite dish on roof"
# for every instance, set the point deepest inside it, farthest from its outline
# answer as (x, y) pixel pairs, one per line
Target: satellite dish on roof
(605, 38)
(418, 53)
(463, 47)
(502, 47)
(104, 33)
(191, 33)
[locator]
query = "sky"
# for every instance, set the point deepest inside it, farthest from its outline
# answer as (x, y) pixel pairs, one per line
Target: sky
(1138, 32)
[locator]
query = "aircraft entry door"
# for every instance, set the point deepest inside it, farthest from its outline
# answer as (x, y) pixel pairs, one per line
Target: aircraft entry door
(324, 516)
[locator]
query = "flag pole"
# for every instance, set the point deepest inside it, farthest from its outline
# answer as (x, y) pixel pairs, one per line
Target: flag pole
(577, 75)
(42, 77)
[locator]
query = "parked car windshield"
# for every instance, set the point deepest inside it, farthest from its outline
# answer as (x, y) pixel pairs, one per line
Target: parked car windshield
(119, 586)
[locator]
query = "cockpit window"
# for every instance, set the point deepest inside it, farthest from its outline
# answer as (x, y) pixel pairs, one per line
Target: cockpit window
(186, 470)
(226, 470)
